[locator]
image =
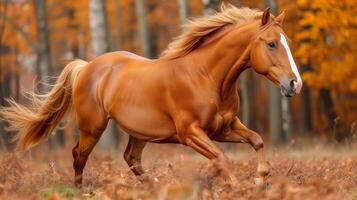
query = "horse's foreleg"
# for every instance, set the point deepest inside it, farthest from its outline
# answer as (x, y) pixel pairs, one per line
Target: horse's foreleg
(242, 134)
(197, 138)
(80, 154)
(132, 155)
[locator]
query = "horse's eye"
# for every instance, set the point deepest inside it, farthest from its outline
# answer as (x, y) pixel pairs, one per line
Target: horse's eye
(271, 45)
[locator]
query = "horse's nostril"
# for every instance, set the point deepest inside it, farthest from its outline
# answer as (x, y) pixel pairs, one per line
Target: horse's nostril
(293, 84)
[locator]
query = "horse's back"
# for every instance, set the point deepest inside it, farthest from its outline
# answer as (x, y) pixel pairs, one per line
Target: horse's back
(130, 54)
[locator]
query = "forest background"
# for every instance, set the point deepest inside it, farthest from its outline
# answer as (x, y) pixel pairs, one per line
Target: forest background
(39, 37)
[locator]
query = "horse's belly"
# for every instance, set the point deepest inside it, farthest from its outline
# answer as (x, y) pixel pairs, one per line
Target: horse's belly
(144, 123)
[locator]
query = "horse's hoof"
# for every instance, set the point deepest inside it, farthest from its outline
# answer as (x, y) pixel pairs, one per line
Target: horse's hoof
(146, 179)
(261, 183)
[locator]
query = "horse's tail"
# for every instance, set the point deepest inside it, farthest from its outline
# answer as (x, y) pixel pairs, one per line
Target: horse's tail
(35, 124)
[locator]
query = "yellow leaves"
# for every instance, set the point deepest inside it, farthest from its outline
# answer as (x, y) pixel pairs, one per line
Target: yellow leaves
(309, 78)
(353, 86)
(327, 42)
(302, 2)
(308, 19)
(302, 53)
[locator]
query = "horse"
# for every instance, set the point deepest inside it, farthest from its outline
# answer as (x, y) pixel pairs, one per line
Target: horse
(188, 95)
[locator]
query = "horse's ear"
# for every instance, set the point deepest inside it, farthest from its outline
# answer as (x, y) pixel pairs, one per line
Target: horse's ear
(266, 16)
(280, 17)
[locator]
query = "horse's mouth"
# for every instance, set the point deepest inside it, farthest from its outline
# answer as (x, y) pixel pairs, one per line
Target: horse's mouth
(287, 92)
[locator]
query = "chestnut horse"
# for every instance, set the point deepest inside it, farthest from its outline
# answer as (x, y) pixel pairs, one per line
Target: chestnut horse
(188, 95)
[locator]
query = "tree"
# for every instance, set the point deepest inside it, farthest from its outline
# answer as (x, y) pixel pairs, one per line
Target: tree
(3, 10)
(183, 10)
(327, 45)
(305, 114)
(210, 6)
(98, 27)
(117, 27)
(99, 43)
(143, 29)
(44, 69)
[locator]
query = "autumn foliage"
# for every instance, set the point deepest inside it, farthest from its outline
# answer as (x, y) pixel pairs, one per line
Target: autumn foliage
(327, 43)
(323, 37)
(322, 32)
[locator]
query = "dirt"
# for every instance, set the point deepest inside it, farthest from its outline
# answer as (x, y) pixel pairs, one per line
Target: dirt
(175, 172)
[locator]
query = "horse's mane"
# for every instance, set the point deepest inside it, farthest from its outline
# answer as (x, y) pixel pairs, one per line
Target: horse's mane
(197, 29)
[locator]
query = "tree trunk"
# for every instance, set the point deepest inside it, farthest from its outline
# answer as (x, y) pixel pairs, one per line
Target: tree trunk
(210, 6)
(275, 120)
(286, 118)
(98, 27)
(6, 92)
(183, 9)
(117, 28)
(44, 68)
(305, 114)
(100, 45)
(144, 34)
(4, 8)
(327, 106)
(272, 5)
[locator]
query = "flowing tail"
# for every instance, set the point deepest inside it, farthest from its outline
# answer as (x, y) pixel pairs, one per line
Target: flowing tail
(36, 124)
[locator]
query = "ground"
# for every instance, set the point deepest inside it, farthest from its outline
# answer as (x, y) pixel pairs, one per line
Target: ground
(310, 172)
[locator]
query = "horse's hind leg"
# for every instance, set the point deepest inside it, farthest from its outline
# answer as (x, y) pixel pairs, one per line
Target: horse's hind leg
(91, 121)
(91, 126)
(80, 153)
(132, 155)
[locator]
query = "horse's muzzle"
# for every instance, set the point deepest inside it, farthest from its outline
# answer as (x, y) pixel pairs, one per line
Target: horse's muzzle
(289, 89)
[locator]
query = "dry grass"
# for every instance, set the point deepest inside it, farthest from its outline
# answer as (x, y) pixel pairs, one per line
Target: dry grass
(179, 173)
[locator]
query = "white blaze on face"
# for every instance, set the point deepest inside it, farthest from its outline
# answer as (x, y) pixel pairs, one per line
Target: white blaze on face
(292, 62)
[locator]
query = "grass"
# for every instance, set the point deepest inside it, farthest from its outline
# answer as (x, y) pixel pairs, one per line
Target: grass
(317, 172)
(55, 187)
(66, 191)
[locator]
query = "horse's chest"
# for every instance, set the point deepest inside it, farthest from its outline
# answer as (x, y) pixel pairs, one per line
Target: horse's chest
(221, 121)
(225, 115)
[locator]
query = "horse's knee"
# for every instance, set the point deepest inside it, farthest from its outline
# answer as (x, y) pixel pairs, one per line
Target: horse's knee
(256, 141)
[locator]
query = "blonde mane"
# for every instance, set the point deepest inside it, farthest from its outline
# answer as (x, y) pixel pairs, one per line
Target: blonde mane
(197, 29)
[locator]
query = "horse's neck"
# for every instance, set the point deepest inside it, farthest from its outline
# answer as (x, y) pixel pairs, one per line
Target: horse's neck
(225, 58)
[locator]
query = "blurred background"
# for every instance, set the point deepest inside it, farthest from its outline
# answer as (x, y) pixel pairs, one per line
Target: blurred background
(39, 37)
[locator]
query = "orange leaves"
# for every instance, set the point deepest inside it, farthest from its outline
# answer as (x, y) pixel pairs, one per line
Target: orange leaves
(326, 41)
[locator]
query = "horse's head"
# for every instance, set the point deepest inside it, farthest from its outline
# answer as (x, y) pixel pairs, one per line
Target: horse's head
(271, 56)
